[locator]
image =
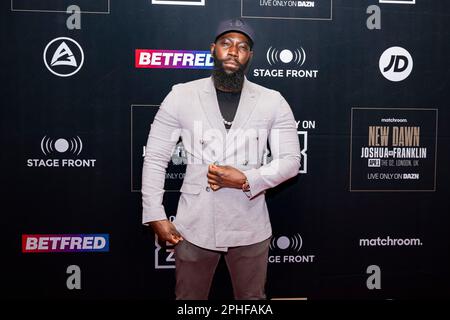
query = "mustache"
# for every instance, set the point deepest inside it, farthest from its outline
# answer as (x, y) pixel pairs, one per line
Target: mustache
(232, 60)
(226, 59)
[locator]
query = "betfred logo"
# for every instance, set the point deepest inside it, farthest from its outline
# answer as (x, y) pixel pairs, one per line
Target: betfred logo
(173, 59)
(41, 243)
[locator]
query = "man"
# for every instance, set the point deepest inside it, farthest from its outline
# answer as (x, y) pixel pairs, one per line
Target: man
(225, 123)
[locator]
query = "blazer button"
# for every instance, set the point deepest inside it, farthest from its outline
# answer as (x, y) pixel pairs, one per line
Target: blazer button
(207, 188)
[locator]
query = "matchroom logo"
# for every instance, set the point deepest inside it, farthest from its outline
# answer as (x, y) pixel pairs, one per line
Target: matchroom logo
(57, 152)
(63, 57)
(47, 243)
(173, 59)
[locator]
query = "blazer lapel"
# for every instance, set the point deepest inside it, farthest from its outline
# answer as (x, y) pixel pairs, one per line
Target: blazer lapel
(208, 99)
(247, 104)
(210, 105)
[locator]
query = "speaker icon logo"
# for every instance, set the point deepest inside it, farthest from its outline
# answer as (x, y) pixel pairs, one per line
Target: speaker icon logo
(297, 56)
(61, 145)
(294, 242)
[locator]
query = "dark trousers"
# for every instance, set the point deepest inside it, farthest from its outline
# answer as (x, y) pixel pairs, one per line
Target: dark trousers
(195, 269)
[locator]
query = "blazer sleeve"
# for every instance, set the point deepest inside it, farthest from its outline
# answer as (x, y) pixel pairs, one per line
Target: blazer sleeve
(285, 149)
(164, 134)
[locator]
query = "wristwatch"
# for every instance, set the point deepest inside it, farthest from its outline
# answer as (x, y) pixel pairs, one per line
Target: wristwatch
(246, 186)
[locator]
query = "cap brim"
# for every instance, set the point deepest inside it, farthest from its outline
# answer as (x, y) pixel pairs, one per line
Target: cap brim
(238, 31)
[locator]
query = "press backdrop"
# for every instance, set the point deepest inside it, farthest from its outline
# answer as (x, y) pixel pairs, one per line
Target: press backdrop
(368, 82)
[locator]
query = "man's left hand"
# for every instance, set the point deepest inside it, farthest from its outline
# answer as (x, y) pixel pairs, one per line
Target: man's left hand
(225, 177)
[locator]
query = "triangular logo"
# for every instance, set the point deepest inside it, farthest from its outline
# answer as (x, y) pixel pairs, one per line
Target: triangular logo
(63, 56)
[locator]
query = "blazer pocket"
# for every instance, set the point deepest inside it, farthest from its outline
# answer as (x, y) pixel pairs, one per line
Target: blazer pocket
(190, 188)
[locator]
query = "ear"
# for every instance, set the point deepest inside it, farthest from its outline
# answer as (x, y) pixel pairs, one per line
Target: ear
(212, 47)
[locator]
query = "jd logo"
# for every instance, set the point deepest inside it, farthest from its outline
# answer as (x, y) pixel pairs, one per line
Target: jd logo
(396, 64)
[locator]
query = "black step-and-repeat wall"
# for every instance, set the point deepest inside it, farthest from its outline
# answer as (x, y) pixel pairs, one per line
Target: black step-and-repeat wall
(369, 84)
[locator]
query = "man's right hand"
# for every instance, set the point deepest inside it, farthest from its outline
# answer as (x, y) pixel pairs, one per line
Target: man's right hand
(166, 231)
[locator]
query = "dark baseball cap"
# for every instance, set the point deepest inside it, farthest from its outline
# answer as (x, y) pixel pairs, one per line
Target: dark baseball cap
(237, 25)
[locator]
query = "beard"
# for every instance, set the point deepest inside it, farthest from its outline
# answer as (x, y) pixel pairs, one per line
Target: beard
(228, 80)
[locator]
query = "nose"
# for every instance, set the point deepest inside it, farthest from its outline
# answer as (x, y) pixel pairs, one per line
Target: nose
(233, 51)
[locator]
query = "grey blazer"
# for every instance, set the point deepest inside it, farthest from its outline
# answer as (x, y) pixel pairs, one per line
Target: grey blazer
(227, 217)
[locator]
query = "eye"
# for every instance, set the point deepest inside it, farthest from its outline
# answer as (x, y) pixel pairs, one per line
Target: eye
(244, 47)
(225, 43)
